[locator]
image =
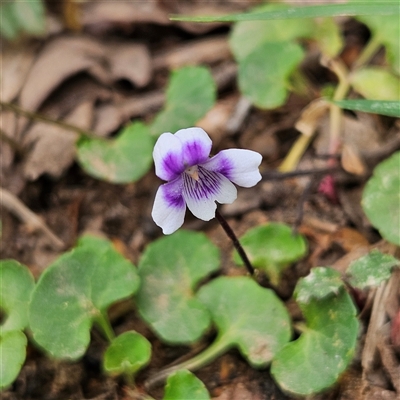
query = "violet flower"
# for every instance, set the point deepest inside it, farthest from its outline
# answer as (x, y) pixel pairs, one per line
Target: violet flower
(195, 180)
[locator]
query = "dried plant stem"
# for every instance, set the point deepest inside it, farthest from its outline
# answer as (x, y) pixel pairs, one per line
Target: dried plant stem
(15, 206)
(39, 117)
(200, 360)
(341, 72)
(368, 52)
(228, 230)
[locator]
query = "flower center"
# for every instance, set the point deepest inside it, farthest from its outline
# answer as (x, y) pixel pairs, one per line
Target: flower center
(193, 172)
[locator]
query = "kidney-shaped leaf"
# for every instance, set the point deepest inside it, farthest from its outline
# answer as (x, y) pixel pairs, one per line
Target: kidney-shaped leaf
(319, 283)
(127, 354)
(191, 93)
(315, 360)
(264, 73)
(376, 83)
(248, 36)
(123, 159)
(183, 385)
(371, 269)
(16, 285)
(381, 198)
(272, 248)
(13, 353)
(76, 291)
(170, 269)
(386, 30)
(247, 316)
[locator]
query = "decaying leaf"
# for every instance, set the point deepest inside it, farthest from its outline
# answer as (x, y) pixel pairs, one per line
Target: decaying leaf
(53, 147)
(61, 58)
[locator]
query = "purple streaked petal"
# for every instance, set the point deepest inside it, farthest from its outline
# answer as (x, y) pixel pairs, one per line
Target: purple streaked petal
(169, 206)
(200, 195)
(168, 157)
(196, 145)
(239, 166)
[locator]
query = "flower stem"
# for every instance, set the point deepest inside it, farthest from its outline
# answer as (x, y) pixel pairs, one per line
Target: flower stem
(104, 323)
(218, 347)
(235, 242)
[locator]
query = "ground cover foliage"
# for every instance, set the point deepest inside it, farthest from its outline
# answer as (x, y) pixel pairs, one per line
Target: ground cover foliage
(97, 304)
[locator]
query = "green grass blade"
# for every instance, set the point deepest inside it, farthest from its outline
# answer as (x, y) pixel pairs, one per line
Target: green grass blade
(328, 10)
(390, 108)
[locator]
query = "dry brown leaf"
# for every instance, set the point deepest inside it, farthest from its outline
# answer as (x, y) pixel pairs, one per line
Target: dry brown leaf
(216, 120)
(129, 61)
(105, 15)
(351, 160)
(202, 51)
(15, 64)
(53, 147)
(60, 59)
(361, 133)
(349, 239)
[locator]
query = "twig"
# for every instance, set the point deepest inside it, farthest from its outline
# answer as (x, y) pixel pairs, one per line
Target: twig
(228, 230)
(15, 206)
(277, 176)
(39, 117)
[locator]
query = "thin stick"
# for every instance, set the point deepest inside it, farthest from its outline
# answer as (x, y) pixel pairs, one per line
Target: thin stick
(235, 241)
(39, 117)
(14, 205)
(274, 175)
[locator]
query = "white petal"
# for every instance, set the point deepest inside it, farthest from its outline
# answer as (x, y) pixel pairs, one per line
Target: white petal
(169, 207)
(168, 157)
(196, 145)
(238, 165)
(200, 195)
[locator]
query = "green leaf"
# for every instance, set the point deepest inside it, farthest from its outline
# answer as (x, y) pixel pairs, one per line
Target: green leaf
(264, 74)
(16, 285)
(74, 292)
(386, 30)
(390, 108)
(371, 269)
(247, 316)
(246, 37)
(319, 283)
(190, 94)
(373, 7)
(170, 269)
(376, 84)
(127, 354)
(30, 16)
(328, 37)
(272, 248)
(381, 198)
(315, 361)
(183, 385)
(9, 26)
(13, 353)
(121, 160)
(22, 16)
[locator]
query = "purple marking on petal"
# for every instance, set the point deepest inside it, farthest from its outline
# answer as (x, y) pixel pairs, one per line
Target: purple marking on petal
(205, 187)
(194, 153)
(220, 164)
(172, 163)
(172, 193)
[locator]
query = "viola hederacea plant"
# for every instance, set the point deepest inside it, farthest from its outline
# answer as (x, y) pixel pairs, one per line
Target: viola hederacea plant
(196, 181)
